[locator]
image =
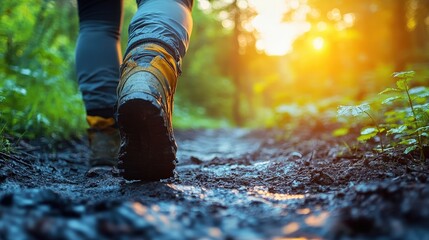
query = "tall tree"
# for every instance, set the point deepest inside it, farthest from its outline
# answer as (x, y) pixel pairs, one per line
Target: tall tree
(401, 37)
(238, 13)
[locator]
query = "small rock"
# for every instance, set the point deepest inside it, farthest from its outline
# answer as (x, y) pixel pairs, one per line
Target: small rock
(196, 160)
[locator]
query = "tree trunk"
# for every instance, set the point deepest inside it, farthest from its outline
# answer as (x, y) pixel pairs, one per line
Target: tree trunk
(237, 68)
(400, 35)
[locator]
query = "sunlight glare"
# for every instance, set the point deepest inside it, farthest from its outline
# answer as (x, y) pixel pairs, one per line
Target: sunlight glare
(318, 43)
(303, 211)
(294, 4)
(242, 4)
(139, 208)
(204, 5)
(291, 228)
(264, 193)
(294, 238)
(322, 26)
(276, 36)
(349, 19)
(334, 14)
(317, 220)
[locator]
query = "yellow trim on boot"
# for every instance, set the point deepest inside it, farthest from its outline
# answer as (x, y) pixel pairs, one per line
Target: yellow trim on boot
(169, 58)
(170, 74)
(162, 66)
(100, 123)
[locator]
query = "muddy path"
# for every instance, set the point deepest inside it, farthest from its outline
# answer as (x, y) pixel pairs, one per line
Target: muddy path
(232, 184)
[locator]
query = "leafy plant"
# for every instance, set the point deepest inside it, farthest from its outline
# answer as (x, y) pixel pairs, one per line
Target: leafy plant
(33, 110)
(40, 97)
(4, 142)
(410, 123)
(406, 124)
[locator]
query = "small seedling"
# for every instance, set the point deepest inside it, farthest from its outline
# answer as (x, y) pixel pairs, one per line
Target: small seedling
(409, 124)
(367, 132)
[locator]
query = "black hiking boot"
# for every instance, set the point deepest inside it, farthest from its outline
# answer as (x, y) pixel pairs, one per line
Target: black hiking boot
(145, 100)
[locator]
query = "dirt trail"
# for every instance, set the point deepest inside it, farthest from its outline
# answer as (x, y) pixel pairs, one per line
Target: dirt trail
(232, 184)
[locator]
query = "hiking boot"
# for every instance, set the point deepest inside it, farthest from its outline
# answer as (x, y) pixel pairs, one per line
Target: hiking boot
(144, 111)
(103, 142)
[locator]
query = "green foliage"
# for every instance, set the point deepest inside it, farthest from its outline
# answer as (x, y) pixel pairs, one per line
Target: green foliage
(51, 108)
(294, 116)
(205, 83)
(368, 132)
(409, 122)
(406, 112)
(5, 145)
(195, 117)
(37, 87)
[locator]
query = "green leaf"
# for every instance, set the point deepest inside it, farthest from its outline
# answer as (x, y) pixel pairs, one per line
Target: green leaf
(364, 138)
(422, 106)
(389, 90)
(397, 130)
(367, 134)
(422, 129)
(410, 149)
(422, 92)
(353, 110)
(418, 100)
(394, 116)
(402, 84)
(404, 74)
(391, 99)
(12, 87)
(369, 130)
(340, 132)
(410, 141)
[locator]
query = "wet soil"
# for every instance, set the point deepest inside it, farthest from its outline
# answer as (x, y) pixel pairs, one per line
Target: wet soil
(231, 184)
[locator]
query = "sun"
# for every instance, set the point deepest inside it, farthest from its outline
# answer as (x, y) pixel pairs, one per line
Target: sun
(318, 43)
(275, 37)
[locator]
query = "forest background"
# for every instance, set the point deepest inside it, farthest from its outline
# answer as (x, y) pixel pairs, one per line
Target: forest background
(251, 63)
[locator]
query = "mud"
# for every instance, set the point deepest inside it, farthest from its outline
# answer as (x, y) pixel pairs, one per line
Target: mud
(232, 184)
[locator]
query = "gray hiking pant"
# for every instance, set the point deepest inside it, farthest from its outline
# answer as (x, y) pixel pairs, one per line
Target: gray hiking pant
(98, 55)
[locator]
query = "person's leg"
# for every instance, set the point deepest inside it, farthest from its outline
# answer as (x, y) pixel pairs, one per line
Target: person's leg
(98, 57)
(158, 39)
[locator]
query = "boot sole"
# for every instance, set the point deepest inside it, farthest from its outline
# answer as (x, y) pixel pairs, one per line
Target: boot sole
(148, 148)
